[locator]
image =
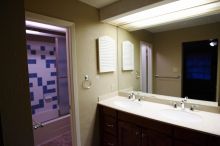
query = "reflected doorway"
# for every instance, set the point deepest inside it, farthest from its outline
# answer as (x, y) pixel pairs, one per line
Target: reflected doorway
(146, 67)
(199, 70)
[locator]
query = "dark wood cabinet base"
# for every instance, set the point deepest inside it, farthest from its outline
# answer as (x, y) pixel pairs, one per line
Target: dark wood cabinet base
(124, 129)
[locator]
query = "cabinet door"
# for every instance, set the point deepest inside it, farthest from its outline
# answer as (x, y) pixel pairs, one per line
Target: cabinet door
(144, 138)
(157, 139)
(109, 140)
(128, 134)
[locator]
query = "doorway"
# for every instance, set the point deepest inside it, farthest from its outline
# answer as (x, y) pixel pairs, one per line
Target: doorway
(146, 67)
(53, 121)
(48, 83)
(200, 69)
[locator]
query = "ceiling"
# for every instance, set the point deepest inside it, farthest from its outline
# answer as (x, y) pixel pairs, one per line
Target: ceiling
(98, 3)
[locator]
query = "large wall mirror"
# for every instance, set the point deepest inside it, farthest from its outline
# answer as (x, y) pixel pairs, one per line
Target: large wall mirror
(176, 59)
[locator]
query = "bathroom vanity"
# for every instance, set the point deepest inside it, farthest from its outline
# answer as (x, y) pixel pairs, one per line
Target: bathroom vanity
(140, 123)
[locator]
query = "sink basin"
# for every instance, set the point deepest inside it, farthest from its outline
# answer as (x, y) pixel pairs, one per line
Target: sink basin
(180, 115)
(127, 104)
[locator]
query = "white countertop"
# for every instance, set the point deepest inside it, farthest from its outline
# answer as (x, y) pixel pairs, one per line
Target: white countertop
(210, 122)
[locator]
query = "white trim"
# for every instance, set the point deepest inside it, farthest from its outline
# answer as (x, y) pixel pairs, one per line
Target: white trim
(149, 67)
(54, 120)
(72, 69)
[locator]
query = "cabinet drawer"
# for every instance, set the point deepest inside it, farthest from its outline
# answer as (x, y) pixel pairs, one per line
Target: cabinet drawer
(146, 123)
(109, 124)
(109, 111)
(190, 136)
(109, 140)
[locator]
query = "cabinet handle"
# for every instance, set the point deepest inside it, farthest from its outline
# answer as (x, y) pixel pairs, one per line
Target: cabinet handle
(110, 144)
(109, 125)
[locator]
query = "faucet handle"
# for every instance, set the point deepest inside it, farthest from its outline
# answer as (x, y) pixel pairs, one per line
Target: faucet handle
(131, 95)
(185, 99)
(174, 104)
(140, 98)
(193, 107)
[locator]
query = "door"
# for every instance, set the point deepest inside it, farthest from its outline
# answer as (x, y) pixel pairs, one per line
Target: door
(146, 67)
(47, 58)
(128, 134)
(200, 69)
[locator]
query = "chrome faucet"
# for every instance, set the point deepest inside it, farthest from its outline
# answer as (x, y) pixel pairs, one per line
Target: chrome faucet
(131, 96)
(183, 102)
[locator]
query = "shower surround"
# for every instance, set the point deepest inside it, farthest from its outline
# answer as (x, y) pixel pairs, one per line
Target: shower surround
(43, 79)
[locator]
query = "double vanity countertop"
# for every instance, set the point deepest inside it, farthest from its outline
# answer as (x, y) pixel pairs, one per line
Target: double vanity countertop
(198, 120)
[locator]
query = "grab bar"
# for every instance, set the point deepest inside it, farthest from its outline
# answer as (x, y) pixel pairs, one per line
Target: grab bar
(37, 125)
(168, 77)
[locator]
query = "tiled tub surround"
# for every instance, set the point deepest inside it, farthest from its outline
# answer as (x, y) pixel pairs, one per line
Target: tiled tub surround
(209, 124)
(42, 79)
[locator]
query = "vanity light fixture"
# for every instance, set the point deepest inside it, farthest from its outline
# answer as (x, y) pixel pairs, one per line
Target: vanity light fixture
(160, 13)
(34, 32)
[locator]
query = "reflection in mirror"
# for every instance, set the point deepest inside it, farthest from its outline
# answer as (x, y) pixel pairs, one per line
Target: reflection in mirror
(199, 69)
(130, 78)
(162, 62)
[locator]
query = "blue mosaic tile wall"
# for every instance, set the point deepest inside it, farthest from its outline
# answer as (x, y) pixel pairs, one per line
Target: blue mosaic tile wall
(42, 79)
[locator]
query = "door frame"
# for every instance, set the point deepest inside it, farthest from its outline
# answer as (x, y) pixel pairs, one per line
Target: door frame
(149, 69)
(72, 69)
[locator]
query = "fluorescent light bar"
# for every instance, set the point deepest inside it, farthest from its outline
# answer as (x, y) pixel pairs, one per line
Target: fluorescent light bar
(33, 32)
(170, 7)
(196, 12)
(44, 26)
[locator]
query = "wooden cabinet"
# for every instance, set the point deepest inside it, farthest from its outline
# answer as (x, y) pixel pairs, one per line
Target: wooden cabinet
(190, 136)
(144, 138)
(131, 135)
(181, 143)
(124, 129)
(108, 127)
(128, 134)
(158, 139)
(214, 141)
(109, 140)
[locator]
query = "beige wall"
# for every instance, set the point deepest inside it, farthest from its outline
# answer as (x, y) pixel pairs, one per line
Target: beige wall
(127, 79)
(88, 29)
(167, 54)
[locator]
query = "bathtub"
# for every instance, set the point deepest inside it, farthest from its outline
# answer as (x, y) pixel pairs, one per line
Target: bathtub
(51, 130)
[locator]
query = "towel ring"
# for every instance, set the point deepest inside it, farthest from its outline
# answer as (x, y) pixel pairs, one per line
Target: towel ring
(86, 84)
